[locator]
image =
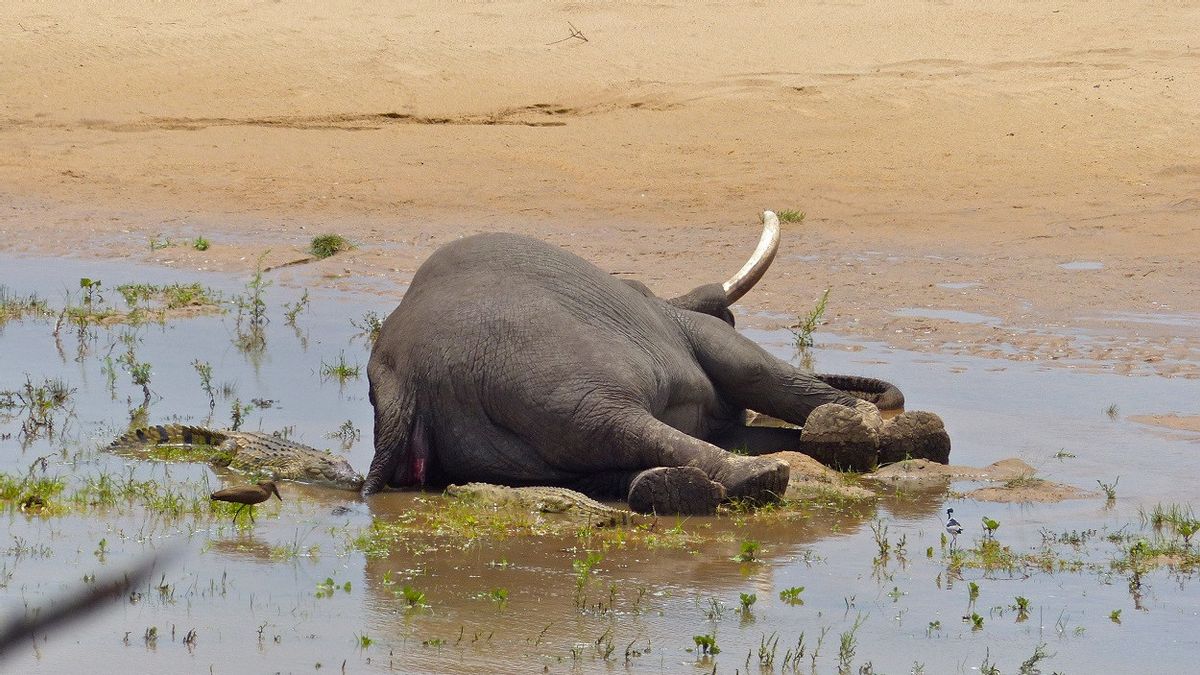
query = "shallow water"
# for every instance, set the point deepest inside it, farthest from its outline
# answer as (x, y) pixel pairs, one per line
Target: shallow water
(256, 598)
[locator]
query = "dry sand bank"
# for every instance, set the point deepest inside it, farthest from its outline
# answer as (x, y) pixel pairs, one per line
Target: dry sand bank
(929, 143)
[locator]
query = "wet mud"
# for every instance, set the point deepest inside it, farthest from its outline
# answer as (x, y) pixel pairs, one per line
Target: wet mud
(422, 582)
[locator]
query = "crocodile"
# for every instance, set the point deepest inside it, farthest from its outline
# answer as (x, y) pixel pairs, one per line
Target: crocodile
(575, 505)
(247, 451)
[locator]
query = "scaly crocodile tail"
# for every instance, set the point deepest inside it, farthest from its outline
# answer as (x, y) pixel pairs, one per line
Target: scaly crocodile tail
(171, 433)
(883, 394)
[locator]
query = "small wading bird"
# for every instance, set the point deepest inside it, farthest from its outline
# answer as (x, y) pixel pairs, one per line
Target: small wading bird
(247, 495)
(953, 527)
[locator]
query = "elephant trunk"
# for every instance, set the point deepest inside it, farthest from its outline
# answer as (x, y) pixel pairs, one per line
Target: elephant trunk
(757, 265)
(885, 395)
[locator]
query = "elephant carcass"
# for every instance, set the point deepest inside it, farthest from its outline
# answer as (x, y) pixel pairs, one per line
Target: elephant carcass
(515, 362)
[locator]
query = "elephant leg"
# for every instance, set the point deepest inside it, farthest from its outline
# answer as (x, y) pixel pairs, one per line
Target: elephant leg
(848, 449)
(653, 444)
(683, 490)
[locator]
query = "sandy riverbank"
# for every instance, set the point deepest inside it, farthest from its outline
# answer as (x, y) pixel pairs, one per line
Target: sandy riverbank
(949, 157)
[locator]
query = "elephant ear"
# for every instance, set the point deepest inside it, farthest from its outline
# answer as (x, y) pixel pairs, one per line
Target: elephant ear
(707, 299)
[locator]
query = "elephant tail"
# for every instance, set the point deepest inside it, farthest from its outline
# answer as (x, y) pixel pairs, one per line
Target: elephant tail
(401, 442)
(885, 395)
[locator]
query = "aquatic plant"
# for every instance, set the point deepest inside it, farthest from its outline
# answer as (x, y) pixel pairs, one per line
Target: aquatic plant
(293, 309)
(341, 370)
(368, 327)
(707, 644)
(792, 595)
(803, 330)
(747, 551)
(13, 307)
(790, 216)
(200, 243)
(1110, 489)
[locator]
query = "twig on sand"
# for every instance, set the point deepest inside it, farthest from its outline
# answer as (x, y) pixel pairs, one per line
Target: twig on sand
(575, 33)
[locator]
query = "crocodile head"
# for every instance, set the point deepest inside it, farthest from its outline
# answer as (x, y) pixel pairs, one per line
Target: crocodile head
(332, 471)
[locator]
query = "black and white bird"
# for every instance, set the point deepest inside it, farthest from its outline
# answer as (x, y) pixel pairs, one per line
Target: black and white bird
(953, 527)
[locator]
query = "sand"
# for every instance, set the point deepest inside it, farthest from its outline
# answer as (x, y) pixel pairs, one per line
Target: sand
(948, 156)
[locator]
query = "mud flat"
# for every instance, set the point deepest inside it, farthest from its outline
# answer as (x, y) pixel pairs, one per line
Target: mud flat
(424, 582)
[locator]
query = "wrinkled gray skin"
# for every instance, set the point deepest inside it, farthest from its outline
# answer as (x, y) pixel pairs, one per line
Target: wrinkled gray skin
(512, 361)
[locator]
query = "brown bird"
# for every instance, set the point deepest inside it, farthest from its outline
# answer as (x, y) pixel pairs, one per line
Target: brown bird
(247, 495)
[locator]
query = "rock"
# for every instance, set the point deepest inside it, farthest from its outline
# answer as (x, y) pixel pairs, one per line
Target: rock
(927, 470)
(811, 479)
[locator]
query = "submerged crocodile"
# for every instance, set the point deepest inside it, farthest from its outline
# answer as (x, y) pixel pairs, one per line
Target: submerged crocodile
(575, 505)
(247, 451)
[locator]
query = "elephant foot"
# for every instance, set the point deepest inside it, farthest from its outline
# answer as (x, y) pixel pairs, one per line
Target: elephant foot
(843, 438)
(755, 479)
(683, 490)
(914, 435)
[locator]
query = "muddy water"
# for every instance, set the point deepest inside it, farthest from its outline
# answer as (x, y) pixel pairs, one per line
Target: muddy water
(258, 600)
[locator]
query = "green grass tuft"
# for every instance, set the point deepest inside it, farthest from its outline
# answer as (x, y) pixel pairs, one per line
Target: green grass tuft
(325, 245)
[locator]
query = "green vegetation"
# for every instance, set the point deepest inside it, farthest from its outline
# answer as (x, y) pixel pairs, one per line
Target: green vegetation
(293, 310)
(200, 243)
(792, 595)
(326, 245)
(706, 644)
(790, 216)
(341, 370)
(747, 552)
(169, 296)
(369, 327)
(1110, 489)
(15, 308)
(803, 330)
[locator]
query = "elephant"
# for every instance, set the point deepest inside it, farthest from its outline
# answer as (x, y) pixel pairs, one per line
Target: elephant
(512, 361)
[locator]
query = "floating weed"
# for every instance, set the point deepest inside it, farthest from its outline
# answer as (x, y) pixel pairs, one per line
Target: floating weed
(747, 551)
(1110, 489)
(363, 640)
(1112, 411)
(792, 595)
(326, 588)
(41, 404)
(848, 644)
(412, 597)
(1115, 616)
(368, 327)
(204, 370)
(807, 324)
(706, 644)
(326, 245)
(293, 310)
(499, 596)
(747, 601)
(1029, 665)
(1022, 607)
(341, 370)
(584, 569)
(169, 296)
(1063, 454)
(200, 243)
(790, 216)
(15, 307)
(976, 621)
